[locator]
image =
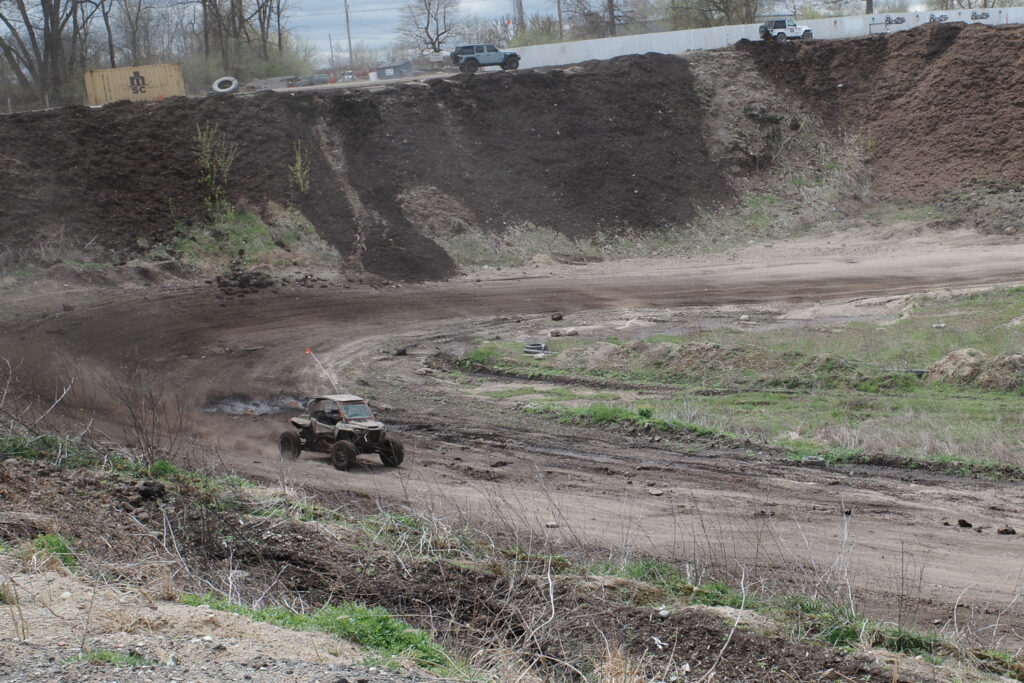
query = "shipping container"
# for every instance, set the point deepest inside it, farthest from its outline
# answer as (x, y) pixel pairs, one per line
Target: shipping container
(135, 83)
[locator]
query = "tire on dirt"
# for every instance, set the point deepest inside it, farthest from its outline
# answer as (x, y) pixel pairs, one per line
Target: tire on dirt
(780, 38)
(511, 64)
(807, 36)
(289, 445)
(470, 66)
(226, 85)
(343, 455)
(392, 453)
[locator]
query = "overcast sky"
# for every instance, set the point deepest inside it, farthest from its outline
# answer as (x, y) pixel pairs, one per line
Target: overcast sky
(374, 21)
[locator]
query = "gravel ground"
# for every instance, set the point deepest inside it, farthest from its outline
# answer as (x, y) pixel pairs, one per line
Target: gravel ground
(28, 661)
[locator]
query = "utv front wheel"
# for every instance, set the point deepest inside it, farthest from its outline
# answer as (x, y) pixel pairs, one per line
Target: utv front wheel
(343, 455)
(289, 445)
(470, 66)
(392, 453)
(511, 64)
(780, 38)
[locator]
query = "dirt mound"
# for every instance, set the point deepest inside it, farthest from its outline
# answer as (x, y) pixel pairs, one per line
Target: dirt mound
(601, 146)
(931, 103)
(961, 366)
(1005, 372)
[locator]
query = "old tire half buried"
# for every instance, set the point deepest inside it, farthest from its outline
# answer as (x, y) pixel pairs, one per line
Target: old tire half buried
(289, 445)
(343, 455)
(226, 85)
(392, 453)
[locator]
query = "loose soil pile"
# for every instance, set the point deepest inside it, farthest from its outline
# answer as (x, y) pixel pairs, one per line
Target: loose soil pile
(932, 104)
(1004, 372)
(601, 146)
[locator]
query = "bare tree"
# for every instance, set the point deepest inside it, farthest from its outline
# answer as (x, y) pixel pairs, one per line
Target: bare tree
(427, 25)
(41, 40)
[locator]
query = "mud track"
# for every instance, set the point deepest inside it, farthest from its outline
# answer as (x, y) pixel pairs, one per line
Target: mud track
(723, 505)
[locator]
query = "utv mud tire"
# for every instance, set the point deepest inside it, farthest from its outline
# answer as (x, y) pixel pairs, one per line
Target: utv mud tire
(510, 64)
(343, 455)
(392, 453)
(780, 38)
(470, 66)
(807, 36)
(289, 445)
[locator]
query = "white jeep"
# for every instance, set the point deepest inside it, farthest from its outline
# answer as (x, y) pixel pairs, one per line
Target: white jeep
(343, 426)
(781, 30)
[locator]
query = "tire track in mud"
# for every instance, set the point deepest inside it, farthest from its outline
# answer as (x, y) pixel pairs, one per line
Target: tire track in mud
(593, 481)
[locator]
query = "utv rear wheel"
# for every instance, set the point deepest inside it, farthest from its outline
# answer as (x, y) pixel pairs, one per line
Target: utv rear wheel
(392, 453)
(343, 455)
(289, 445)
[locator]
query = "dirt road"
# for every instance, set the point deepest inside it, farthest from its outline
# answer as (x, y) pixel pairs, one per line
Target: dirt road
(891, 536)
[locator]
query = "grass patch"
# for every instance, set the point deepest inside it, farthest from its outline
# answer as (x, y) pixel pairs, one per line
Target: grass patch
(657, 573)
(114, 658)
(57, 547)
(371, 627)
(843, 392)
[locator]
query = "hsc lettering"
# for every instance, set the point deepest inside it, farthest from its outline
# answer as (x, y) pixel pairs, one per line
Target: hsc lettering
(137, 82)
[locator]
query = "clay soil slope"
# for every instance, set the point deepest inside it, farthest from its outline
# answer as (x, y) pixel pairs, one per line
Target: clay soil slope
(935, 106)
(605, 145)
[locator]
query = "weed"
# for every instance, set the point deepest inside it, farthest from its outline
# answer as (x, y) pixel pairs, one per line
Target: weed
(161, 468)
(716, 593)
(300, 169)
(485, 354)
(214, 156)
(6, 595)
(371, 627)
(56, 547)
(115, 658)
(661, 574)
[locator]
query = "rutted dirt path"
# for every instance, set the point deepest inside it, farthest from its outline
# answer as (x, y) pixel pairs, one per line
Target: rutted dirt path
(495, 468)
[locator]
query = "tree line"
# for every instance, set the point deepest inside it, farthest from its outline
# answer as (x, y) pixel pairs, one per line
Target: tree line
(46, 45)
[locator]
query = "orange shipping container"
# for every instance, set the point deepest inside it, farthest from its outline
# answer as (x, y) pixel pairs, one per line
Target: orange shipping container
(136, 83)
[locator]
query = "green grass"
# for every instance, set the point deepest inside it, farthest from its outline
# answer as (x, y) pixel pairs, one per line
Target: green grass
(371, 627)
(838, 626)
(115, 658)
(7, 595)
(662, 575)
(841, 391)
(58, 547)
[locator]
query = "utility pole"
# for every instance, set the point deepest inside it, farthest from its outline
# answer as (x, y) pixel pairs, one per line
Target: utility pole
(517, 10)
(331, 43)
(559, 20)
(348, 27)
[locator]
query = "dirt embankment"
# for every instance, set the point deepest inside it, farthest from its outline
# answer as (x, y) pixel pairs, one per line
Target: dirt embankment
(602, 145)
(932, 104)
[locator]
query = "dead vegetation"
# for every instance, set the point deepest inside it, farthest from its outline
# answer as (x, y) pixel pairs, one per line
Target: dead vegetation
(505, 602)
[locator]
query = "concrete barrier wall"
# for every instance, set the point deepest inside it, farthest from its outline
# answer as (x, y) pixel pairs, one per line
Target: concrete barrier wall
(674, 42)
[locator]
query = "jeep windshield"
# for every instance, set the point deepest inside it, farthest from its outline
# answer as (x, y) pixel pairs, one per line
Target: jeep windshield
(357, 411)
